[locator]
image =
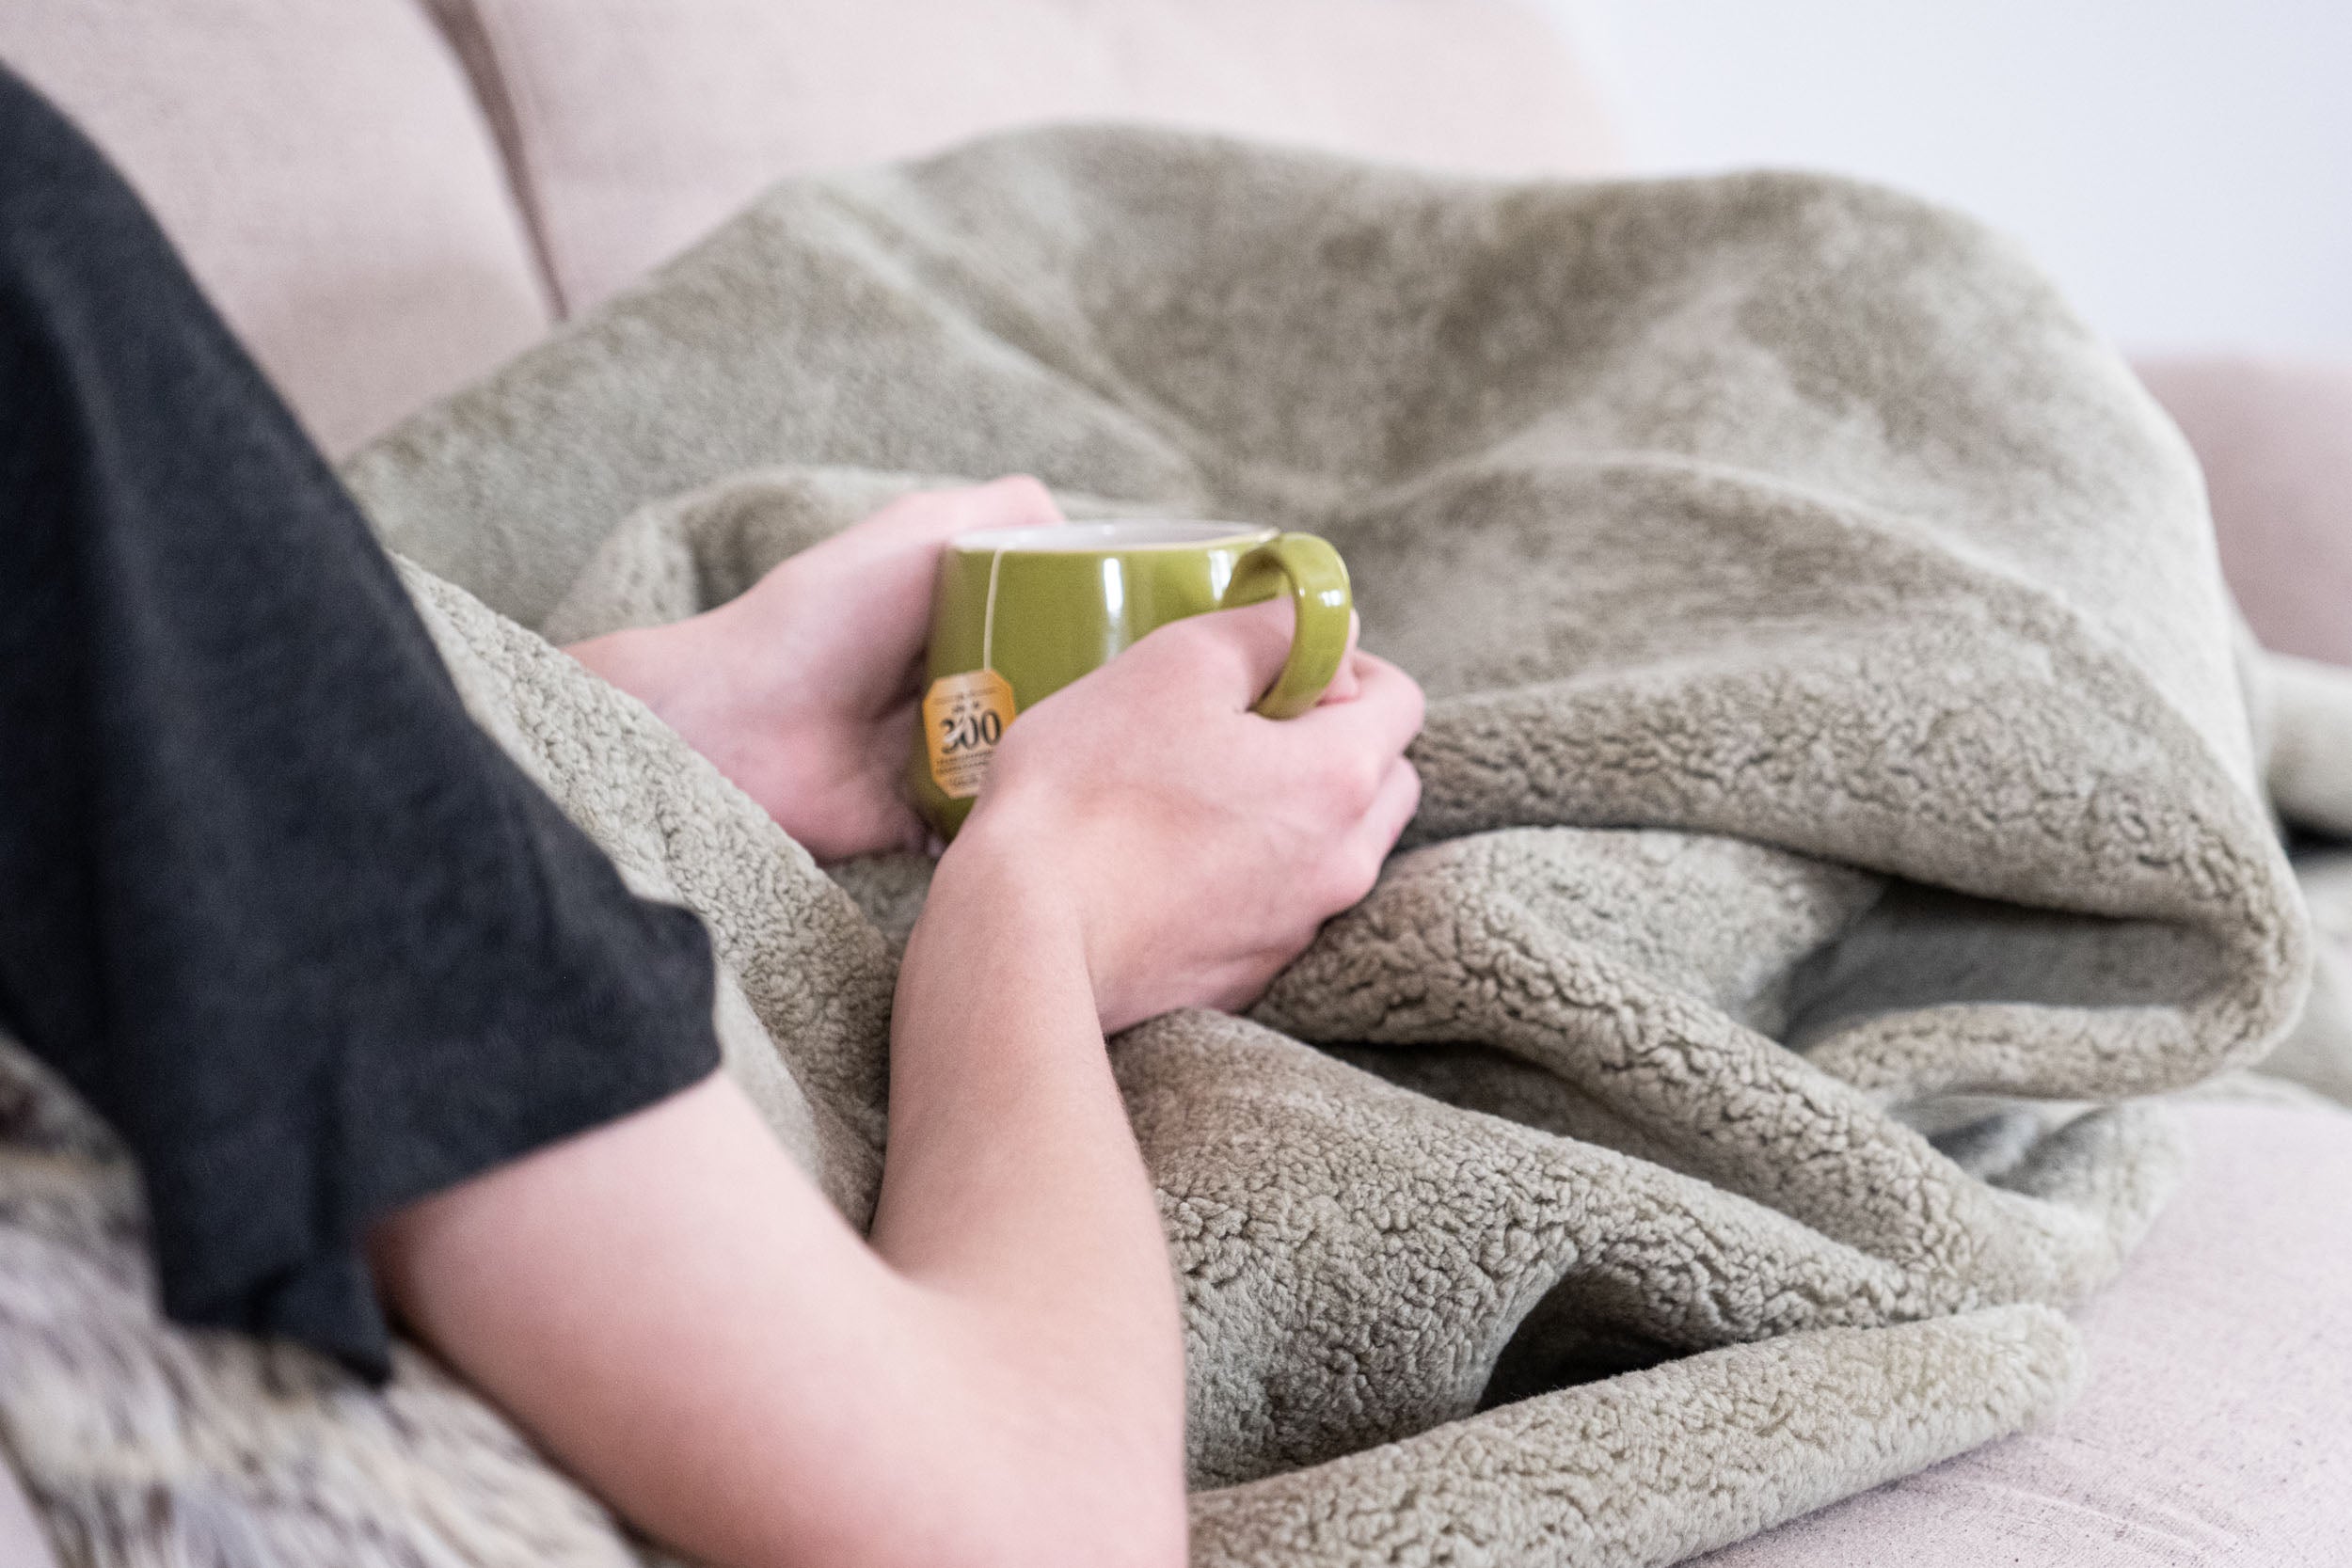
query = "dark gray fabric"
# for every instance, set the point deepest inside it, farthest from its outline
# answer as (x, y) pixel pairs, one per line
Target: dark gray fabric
(268, 898)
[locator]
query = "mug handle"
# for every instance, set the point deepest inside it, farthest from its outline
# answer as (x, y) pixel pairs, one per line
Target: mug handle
(1317, 579)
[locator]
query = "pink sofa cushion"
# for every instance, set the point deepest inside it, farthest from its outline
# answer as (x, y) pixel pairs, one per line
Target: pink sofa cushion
(2276, 441)
(2218, 1427)
(639, 124)
(328, 174)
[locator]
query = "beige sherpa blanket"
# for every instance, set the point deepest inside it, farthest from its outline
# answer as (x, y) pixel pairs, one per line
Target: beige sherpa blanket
(1844, 795)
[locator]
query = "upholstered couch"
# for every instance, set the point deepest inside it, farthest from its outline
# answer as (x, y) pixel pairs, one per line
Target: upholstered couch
(389, 196)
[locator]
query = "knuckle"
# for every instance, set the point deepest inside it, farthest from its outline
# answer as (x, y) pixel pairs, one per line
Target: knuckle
(1354, 781)
(1392, 675)
(1348, 877)
(1409, 697)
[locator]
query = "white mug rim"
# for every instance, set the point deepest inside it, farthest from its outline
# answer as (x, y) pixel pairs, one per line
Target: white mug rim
(1112, 536)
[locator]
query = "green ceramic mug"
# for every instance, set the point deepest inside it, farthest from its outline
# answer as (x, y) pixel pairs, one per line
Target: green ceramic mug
(1020, 613)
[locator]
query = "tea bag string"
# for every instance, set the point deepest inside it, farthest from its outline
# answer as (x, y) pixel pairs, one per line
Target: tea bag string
(988, 613)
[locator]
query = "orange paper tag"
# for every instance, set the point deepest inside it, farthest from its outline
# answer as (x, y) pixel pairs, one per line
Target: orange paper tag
(963, 718)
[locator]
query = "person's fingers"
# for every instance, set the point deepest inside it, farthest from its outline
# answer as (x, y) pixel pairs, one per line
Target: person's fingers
(1365, 847)
(917, 524)
(873, 814)
(916, 836)
(916, 677)
(1391, 808)
(1394, 807)
(1345, 683)
(1016, 500)
(873, 581)
(1240, 650)
(1383, 715)
(899, 723)
(896, 734)
(888, 827)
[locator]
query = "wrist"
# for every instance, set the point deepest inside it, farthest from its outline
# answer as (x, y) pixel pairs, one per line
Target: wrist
(998, 876)
(992, 877)
(670, 668)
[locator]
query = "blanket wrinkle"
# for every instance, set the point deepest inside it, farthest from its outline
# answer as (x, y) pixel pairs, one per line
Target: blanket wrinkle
(1848, 796)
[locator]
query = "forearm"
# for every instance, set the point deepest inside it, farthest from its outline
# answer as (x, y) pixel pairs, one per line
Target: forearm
(1013, 1184)
(676, 1313)
(682, 1319)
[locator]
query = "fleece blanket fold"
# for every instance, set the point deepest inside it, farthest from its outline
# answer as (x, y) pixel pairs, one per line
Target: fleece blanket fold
(1847, 800)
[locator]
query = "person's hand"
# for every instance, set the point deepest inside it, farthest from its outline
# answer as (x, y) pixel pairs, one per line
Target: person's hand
(1197, 846)
(803, 689)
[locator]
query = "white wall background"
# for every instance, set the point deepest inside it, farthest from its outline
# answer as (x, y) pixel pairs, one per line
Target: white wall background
(2184, 167)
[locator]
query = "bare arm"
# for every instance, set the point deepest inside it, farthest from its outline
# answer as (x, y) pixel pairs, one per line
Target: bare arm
(671, 1306)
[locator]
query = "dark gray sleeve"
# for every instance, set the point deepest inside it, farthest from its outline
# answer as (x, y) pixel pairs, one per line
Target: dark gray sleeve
(269, 900)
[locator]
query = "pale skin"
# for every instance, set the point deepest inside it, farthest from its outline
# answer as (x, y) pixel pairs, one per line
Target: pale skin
(995, 1374)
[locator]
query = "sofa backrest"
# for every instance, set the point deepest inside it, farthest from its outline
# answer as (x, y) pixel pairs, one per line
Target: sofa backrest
(635, 125)
(327, 172)
(387, 197)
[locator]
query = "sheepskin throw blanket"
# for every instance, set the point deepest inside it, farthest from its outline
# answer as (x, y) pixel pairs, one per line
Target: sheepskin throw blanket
(1845, 809)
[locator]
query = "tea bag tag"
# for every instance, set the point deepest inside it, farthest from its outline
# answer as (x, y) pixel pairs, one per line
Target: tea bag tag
(963, 718)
